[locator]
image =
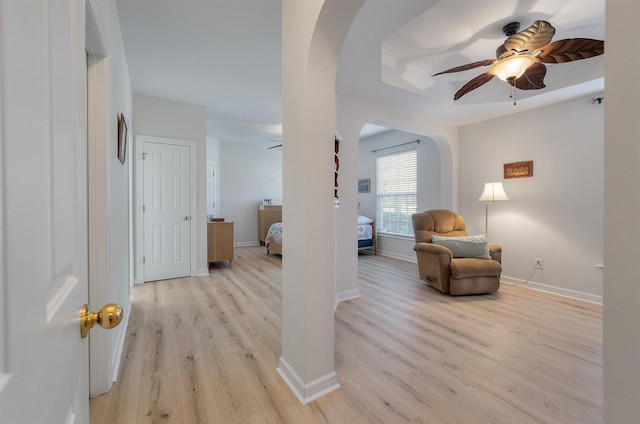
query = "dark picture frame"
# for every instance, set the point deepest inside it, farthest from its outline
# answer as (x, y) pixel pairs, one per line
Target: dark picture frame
(364, 185)
(122, 138)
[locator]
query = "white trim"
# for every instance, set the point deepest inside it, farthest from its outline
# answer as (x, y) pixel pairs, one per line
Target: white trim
(95, 35)
(98, 175)
(346, 295)
(98, 189)
(406, 237)
(117, 352)
(203, 272)
(573, 294)
(138, 228)
(139, 201)
(399, 239)
(4, 333)
(247, 243)
(307, 392)
(211, 191)
(394, 255)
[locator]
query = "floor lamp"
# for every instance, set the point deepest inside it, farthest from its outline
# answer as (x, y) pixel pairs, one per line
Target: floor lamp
(491, 193)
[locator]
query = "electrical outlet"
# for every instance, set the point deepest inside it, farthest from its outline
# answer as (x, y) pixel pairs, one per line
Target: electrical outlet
(539, 263)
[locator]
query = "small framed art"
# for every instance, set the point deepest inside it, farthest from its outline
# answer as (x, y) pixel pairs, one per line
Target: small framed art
(122, 138)
(518, 169)
(364, 185)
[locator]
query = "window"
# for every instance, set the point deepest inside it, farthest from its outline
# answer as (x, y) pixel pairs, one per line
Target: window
(396, 192)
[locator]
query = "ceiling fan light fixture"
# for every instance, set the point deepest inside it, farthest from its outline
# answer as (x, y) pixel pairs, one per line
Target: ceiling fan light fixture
(512, 67)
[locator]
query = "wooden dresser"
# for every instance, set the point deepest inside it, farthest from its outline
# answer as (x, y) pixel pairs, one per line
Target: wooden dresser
(220, 242)
(267, 215)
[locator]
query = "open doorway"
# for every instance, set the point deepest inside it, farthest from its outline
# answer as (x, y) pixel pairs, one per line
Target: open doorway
(399, 173)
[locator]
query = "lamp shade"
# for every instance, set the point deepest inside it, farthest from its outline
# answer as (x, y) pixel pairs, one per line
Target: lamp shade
(512, 67)
(493, 192)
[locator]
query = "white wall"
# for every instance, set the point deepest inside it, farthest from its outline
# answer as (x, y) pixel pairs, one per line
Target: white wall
(247, 174)
(108, 193)
(185, 121)
(120, 102)
(558, 214)
(213, 150)
(429, 182)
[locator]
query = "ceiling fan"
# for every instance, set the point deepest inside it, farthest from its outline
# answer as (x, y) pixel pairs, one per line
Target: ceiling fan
(521, 58)
(277, 140)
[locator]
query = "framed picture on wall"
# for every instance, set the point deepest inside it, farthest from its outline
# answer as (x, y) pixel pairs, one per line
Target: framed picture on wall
(518, 169)
(122, 138)
(364, 185)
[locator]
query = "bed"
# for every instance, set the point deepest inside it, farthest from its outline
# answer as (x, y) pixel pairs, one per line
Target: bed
(366, 236)
(273, 240)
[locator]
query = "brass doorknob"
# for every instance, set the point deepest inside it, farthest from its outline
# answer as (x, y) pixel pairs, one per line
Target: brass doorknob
(186, 217)
(109, 316)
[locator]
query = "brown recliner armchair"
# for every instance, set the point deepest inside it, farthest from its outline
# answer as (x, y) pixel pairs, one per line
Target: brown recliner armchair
(438, 265)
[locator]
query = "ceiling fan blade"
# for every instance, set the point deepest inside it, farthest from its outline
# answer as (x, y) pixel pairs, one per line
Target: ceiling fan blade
(473, 84)
(533, 78)
(570, 49)
(467, 66)
(538, 35)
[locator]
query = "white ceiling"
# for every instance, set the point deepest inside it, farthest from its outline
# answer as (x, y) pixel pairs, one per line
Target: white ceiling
(225, 54)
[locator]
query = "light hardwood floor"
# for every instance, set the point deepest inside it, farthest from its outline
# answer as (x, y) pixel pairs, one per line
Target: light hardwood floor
(205, 350)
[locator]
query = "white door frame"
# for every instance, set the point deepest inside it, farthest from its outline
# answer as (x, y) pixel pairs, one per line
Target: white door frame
(139, 200)
(104, 349)
(211, 192)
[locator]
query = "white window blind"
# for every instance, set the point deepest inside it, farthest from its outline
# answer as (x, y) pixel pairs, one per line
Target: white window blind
(396, 182)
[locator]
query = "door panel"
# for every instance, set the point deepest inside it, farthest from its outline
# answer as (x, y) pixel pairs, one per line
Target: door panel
(44, 375)
(167, 211)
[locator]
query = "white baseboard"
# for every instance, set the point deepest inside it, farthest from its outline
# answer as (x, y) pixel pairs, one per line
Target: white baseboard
(394, 255)
(345, 295)
(307, 392)
(247, 243)
(117, 352)
(573, 294)
(202, 272)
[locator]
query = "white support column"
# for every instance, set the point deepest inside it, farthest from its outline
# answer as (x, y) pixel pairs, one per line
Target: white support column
(312, 35)
(621, 223)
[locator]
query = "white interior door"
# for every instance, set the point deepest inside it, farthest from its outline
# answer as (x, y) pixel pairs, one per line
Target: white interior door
(43, 196)
(167, 211)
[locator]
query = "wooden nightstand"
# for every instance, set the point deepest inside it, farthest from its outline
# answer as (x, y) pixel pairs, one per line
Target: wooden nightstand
(220, 242)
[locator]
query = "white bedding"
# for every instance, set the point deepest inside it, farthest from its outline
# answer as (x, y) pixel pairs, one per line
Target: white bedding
(365, 231)
(364, 220)
(275, 234)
